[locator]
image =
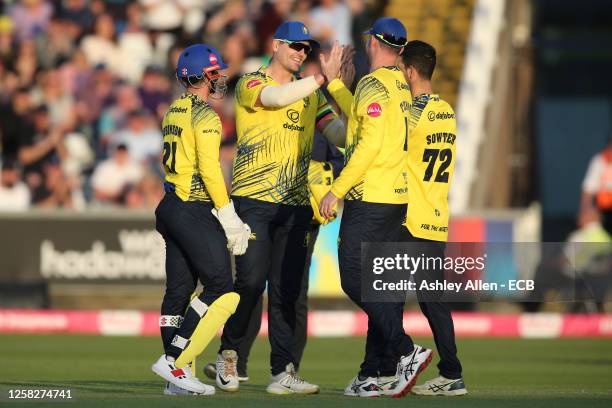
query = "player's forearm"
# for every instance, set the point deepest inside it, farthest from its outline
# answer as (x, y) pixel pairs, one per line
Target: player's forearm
(278, 96)
(342, 95)
(215, 185)
(210, 167)
(360, 160)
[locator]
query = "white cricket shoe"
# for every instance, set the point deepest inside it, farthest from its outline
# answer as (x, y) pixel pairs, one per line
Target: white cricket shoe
(441, 386)
(409, 368)
(227, 377)
(387, 384)
(368, 387)
(288, 382)
(181, 377)
(173, 390)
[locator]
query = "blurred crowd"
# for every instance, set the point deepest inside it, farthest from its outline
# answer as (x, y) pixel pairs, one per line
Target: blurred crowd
(84, 85)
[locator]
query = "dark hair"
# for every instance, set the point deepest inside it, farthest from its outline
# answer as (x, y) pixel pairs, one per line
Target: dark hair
(421, 56)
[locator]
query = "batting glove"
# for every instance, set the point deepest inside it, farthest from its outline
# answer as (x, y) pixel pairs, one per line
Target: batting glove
(236, 231)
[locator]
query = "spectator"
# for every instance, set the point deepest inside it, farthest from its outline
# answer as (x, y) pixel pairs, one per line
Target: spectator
(76, 73)
(14, 194)
(134, 45)
(7, 43)
(59, 103)
(31, 18)
(234, 55)
(26, 64)
(55, 47)
(273, 15)
(114, 117)
(44, 146)
(77, 12)
(101, 47)
(14, 123)
(155, 91)
(141, 136)
(146, 194)
(228, 19)
(163, 15)
(597, 187)
(95, 97)
(57, 190)
(331, 21)
(112, 176)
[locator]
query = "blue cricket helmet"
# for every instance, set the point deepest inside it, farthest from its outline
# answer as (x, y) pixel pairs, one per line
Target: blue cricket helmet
(197, 60)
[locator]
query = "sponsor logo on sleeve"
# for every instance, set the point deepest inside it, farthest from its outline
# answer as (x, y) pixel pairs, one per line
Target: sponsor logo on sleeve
(374, 110)
(253, 83)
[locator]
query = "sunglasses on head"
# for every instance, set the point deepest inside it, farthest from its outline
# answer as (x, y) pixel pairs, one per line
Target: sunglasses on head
(298, 46)
(392, 40)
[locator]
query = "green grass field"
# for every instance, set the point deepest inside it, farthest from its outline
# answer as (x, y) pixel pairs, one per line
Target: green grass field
(114, 371)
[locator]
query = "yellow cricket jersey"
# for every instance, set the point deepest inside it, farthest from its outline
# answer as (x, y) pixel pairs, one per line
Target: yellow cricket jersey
(192, 136)
(431, 162)
(274, 144)
(377, 138)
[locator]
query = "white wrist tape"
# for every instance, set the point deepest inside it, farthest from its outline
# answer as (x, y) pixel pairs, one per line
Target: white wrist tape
(277, 96)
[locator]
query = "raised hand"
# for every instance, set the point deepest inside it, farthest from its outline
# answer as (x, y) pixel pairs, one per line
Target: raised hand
(347, 72)
(331, 64)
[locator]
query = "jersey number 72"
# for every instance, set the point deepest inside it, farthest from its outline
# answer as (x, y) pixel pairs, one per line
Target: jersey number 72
(430, 156)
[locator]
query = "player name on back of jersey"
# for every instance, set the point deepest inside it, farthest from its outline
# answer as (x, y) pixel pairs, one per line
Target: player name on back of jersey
(441, 137)
(173, 130)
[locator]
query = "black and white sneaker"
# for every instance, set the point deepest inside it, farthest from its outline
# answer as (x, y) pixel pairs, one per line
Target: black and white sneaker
(441, 386)
(366, 387)
(227, 377)
(409, 368)
(210, 370)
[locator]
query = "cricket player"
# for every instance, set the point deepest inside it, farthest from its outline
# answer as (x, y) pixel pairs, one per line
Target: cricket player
(374, 186)
(276, 115)
(431, 161)
(326, 163)
(197, 221)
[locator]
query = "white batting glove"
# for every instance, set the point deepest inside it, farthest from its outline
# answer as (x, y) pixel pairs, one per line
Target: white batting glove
(236, 231)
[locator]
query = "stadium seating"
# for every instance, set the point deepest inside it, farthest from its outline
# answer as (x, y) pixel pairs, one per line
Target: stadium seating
(446, 25)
